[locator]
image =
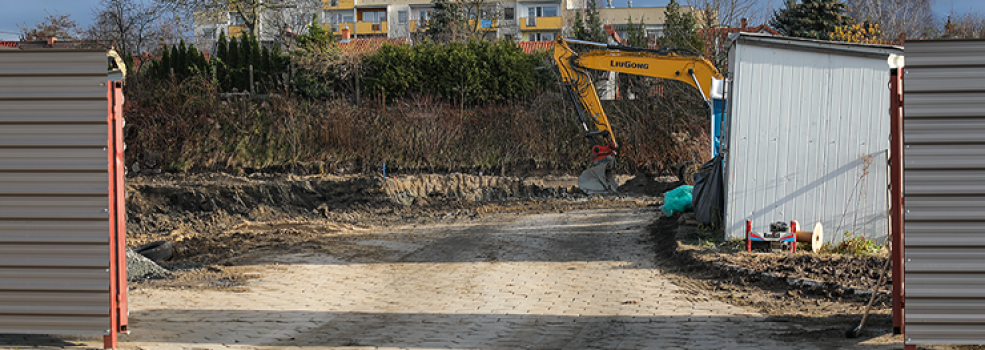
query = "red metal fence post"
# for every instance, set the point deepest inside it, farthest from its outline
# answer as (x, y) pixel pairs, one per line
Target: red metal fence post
(117, 217)
(896, 194)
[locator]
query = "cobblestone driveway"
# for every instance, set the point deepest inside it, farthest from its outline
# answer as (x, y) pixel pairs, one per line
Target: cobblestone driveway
(577, 280)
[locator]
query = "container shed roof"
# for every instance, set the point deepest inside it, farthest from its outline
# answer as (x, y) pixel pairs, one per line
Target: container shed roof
(824, 46)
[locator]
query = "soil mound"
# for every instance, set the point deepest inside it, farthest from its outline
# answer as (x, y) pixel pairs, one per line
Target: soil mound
(649, 186)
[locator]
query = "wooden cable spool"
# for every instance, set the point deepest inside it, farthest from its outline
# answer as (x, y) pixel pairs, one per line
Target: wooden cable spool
(815, 238)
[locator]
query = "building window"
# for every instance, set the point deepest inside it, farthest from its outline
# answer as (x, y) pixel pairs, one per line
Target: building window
(339, 17)
(401, 17)
(236, 19)
(209, 33)
(333, 3)
(508, 14)
(542, 36)
(550, 11)
(425, 15)
(375, 16)
(542, 11)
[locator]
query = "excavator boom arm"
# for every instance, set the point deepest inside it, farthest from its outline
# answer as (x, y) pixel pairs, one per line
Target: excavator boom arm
(695, 71)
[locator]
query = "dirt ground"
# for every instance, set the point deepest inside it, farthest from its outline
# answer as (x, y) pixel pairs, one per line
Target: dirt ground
(216, 221)
(223, 226)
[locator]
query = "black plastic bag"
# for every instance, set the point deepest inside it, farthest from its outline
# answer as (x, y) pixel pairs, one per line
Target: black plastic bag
(709, 192)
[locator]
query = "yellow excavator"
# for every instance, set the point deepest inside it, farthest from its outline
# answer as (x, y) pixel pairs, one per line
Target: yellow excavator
(663, 63)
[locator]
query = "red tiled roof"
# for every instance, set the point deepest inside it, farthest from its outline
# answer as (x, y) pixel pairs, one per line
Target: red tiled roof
(613, 34)
(530, 47)
(361, 46)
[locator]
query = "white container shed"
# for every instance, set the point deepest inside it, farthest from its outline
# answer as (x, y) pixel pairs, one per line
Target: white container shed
(808, 135)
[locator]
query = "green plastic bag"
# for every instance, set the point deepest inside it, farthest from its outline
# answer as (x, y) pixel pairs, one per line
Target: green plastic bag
(677, 200)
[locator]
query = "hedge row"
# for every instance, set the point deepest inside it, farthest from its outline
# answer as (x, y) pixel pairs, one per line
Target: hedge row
(477, 71)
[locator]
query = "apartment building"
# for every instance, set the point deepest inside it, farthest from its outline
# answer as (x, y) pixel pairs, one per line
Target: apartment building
(521, 20)
(524, 20)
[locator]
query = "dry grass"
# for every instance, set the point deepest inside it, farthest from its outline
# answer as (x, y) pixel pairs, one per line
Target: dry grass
(181, 127)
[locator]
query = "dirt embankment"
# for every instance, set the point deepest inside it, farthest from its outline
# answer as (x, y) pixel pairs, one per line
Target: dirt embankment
(212, 218)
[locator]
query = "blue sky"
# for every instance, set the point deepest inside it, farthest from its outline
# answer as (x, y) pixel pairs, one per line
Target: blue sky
(19, 12)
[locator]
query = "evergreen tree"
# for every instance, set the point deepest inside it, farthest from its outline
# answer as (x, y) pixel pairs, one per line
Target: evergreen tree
(232, 65)
(636, 34)
(245, 53)
(222, 46)
(246, 60)
(579, 30)
(317, 39)
(175, 60)
(196, 61)
(445, 21)
(265, 65)
(128, 60)
(220, 58)
(277, 61)
(680, 30)
(815, 19)
(255, 53)
(164, 66)
(591, 28)
(181, 60)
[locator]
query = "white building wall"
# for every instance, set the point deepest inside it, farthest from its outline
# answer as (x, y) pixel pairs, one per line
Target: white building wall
(802, 125)
(394, 27)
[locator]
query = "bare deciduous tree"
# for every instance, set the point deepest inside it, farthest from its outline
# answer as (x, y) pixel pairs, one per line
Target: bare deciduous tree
(130, 25)
(725, 13)
(250, 14)
(295, 15)
(249, 11)
(170, 29)
(915, 18)
(969, 25)
(268, 20)
(54, 25)
(459, 20)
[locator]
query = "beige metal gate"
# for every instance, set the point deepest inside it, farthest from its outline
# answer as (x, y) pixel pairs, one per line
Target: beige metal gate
(60, 195)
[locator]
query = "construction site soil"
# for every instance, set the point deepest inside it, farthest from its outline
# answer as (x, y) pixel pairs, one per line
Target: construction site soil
(222, 225)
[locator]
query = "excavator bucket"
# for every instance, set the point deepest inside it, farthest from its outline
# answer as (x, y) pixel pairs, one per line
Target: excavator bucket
(598, 178)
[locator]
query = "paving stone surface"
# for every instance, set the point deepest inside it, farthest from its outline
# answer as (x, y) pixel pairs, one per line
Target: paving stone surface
(575, 280)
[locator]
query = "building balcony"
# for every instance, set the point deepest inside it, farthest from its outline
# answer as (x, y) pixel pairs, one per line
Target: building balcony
(536, 23)
(337, 28)
(371, 28)
(338, 4)
(236, 31)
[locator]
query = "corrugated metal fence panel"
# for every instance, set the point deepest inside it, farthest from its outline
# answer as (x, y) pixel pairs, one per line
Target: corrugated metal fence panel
(54, 193)
(808, 141)
(944, 187)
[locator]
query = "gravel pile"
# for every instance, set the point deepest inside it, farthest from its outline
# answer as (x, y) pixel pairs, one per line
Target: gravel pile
(139, 267)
